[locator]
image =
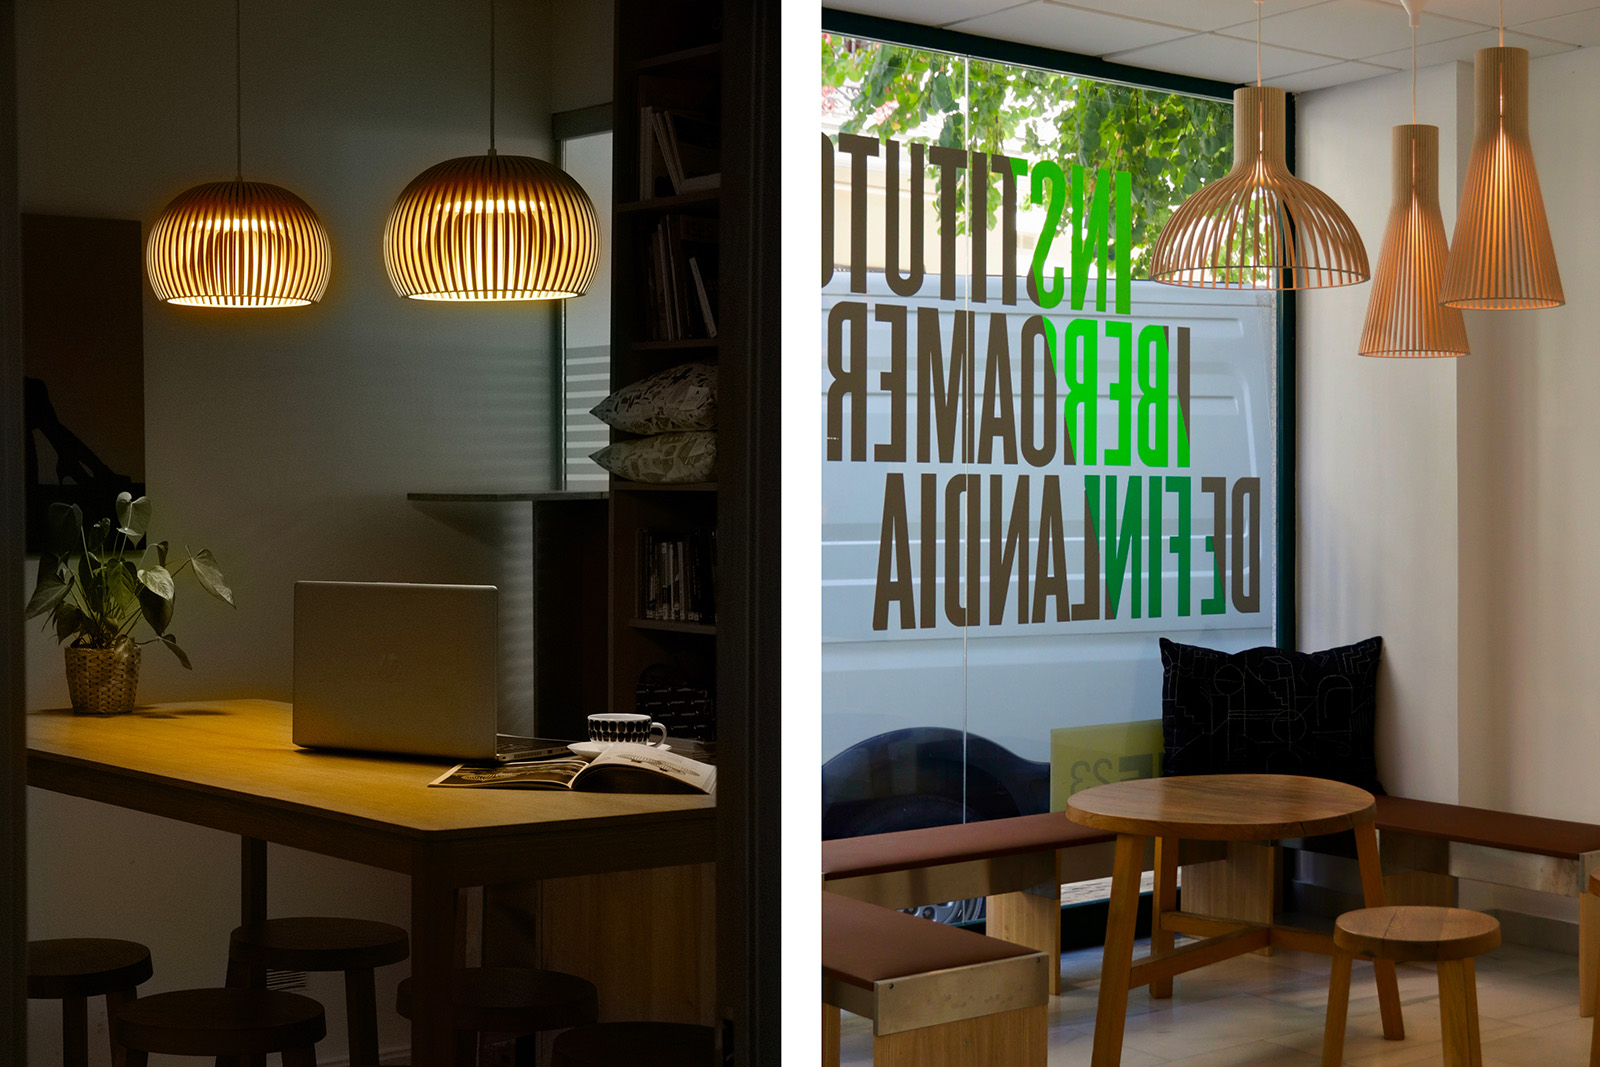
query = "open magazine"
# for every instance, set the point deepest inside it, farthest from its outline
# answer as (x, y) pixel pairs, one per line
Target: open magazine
(620, 768)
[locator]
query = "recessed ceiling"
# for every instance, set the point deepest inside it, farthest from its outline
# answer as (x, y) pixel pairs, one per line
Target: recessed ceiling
(1306, 44)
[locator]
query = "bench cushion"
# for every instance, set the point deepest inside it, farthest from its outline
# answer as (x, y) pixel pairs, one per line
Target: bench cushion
(863, 944)
(905, 850)
(1492, 829)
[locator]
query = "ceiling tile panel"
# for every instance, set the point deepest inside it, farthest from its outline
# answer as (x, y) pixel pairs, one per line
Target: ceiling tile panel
(1336, 74)
(1069, 29)
(923, 12)
(1488, 11)
(1192, 14)
(1350, 29)
(1581, 28)
(1226, 59)
(1462, 48)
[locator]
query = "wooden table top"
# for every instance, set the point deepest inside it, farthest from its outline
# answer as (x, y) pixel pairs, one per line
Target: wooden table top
(1223, 807)
(230, 764)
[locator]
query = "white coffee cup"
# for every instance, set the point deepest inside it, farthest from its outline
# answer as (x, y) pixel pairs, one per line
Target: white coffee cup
(623, 726)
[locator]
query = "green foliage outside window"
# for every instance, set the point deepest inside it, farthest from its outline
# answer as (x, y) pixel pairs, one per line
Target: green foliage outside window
(1169, 143)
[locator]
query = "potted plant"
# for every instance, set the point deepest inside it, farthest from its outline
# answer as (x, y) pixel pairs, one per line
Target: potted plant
(95, 592)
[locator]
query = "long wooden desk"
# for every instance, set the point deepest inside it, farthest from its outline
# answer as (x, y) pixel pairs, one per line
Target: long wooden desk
(229, 765)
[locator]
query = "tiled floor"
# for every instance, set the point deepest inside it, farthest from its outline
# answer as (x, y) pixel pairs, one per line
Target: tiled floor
(1256, 1011)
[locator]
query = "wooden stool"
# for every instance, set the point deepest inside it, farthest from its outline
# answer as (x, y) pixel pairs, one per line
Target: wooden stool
(221, 1022)
(1450, 937)
(354, 946)
(637, 1044)
(74, 969)
(512, 1000)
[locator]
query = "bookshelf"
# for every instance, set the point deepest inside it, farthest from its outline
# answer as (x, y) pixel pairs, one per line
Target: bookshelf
(668, 186)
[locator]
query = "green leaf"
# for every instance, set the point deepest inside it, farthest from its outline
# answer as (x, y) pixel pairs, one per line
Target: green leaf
(210, 575)
(172, 643)
(158, 581)
(133, 516)
(69, 621)
(154, 556)
(95, 537)
(64, 529)
(157, 609)
(46, 595)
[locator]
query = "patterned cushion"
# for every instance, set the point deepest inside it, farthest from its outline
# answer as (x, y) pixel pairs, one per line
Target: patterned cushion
(667, 457)
(679, 398)
(1268, 711)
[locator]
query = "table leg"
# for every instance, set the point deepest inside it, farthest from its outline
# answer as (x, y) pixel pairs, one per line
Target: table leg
(1164, 899)
(1383, 970)
(433, 930)
(252, 881)
(1117, 961)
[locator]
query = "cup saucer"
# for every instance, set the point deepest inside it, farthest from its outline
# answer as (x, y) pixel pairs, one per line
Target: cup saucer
(591, 749)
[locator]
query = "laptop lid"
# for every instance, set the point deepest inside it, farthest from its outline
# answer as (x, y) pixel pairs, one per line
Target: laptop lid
(391, 667)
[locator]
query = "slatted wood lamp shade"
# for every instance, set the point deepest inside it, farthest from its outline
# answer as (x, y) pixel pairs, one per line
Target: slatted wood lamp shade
(1404, 316)
(238, 244)
(1502, 257)
(1258, 226)
(492, 227)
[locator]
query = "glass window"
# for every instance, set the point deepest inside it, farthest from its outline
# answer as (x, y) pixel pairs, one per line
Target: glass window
(1037, 463)
(586, 324)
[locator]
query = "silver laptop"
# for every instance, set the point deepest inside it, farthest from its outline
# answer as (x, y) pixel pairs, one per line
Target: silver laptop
(412, 669)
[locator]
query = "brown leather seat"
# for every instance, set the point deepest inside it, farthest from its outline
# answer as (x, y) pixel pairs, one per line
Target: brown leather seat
(863, 944)
(1492, 829)
(851, 857)
(221, 1022)
(638, 1044)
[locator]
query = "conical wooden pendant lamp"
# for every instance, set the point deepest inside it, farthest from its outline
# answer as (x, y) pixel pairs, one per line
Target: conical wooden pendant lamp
(1404, 316)
(492, 227)
(1502, 257)
(238, 244)
(1258, 226)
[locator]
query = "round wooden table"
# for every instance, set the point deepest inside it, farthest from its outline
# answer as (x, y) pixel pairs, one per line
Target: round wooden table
(1212, 807)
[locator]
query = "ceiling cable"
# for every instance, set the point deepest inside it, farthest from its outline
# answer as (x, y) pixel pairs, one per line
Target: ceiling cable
(238, 98)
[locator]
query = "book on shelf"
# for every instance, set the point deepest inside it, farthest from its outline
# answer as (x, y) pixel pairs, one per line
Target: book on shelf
(682, 282)
(677, 576)
(619, 768)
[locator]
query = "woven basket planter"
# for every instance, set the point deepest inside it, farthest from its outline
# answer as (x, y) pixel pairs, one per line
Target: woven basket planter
(103, 681)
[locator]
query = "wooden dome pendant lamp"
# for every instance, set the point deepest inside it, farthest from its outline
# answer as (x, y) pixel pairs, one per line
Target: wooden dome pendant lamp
(492, 227)
(1258, 226)
(238, 244)
(1501, 257)
(1404, 316)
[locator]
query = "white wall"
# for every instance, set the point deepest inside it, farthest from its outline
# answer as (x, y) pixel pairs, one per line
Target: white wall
(1528, 445)
(286, 440)
(1377, 439)
(1452, 506)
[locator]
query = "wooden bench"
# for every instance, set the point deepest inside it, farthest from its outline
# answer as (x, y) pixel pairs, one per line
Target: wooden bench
(1019, 864)
(1521, 851)
(934, 993)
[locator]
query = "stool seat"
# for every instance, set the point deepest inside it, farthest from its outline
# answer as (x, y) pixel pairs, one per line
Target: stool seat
(220, 1022)
(1410, 933)
(318, 943)
(640, 1044)
(85, 967)
(514, 1000)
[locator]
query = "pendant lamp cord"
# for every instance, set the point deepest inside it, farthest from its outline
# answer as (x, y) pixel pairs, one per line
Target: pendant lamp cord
(1502, 23)
(1413, 75)
(1258, 42)
(238, 98)
(491, 77)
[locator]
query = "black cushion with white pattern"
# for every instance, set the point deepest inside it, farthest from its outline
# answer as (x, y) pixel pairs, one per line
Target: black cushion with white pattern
(1267, 711)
